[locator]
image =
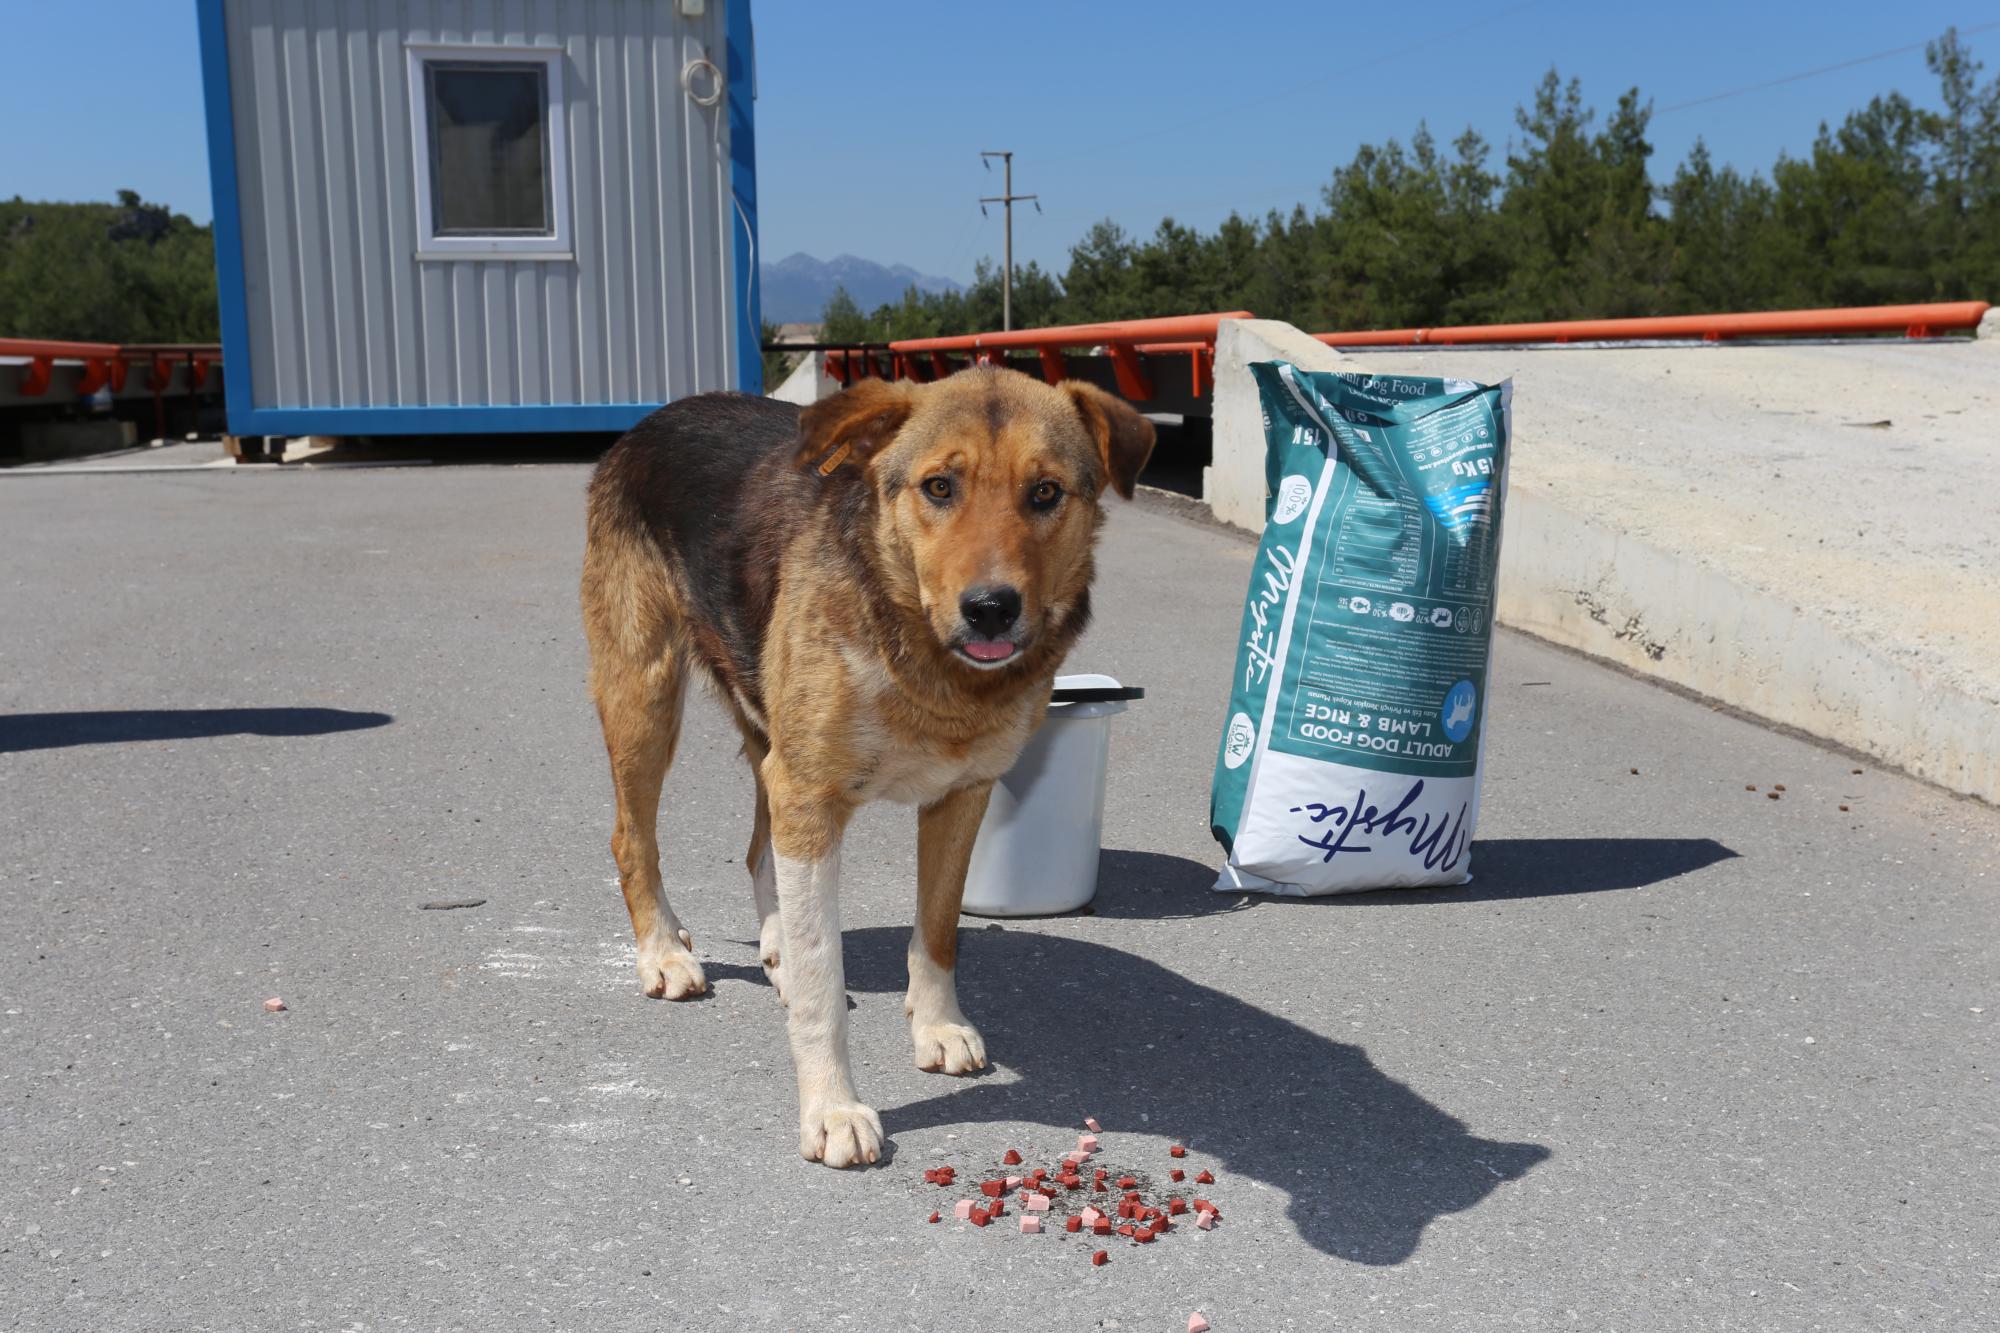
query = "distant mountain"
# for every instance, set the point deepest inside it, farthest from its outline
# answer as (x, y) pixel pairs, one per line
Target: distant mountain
(796, 288)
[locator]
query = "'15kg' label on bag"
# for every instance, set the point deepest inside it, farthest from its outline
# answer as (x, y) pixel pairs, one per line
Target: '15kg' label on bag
(1350, 756)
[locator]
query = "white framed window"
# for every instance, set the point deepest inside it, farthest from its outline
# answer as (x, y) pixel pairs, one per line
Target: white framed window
(490, 151)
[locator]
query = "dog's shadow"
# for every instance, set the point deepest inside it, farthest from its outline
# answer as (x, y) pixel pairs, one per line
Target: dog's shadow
(1093, 1030)
(1367, 1162)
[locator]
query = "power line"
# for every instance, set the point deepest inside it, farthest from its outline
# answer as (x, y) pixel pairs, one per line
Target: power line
(1815, 73)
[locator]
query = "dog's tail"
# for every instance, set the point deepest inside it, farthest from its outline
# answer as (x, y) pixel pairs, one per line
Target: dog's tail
(629, 606)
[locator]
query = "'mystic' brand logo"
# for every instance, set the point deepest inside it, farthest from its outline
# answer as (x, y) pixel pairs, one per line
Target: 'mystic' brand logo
(1238, 741)
(1435, 836)
(1294, 494)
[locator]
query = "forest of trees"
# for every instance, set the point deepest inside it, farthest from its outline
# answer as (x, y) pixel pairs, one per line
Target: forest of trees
(125, 272)
(1898, 202)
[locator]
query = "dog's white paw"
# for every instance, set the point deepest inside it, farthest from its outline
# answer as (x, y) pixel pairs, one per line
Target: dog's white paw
(949, 1048)
(773, 960)
(672, 972)
(840, 1134)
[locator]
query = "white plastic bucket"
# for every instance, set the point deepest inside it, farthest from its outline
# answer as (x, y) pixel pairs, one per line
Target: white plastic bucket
(1036, 854)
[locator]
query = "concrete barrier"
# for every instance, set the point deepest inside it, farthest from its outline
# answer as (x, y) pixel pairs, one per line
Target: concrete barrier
(808, 382)
(1575, 578)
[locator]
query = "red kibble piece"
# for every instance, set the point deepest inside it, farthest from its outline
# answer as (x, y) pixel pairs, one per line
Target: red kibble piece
(1145, 1235)
(1012, 1158)
(1101, 1227)
(1176, 1174)
(1204, 1206)
(934, 1217)
(1128, 1230)
(980, 1217)
(1098, 1187)
(1176, 1205)
(993, 1189)
(1127, 1182)
(1205, 1178)
(1100, 1173)
(1073, 1223)
(1177, 1151)
(999, 1208)
(1100, 1259)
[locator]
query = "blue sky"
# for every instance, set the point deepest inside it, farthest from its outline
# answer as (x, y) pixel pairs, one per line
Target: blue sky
(871, 117)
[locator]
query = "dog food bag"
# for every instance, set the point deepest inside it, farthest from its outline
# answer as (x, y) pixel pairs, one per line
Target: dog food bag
(1351, 752)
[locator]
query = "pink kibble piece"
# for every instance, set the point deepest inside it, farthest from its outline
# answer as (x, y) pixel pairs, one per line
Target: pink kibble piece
(1090, 1215)
(1205, 1219)
(1197, 1322)
(1038, 1203)
(962, 1209)
(1091, 1124)
(1076, 1155)
(1014, 1182)
(1086, 1143)
(274, 1005)
(1030, 1224)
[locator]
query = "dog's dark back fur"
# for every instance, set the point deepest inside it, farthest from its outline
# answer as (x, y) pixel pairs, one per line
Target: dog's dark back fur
(691, 475)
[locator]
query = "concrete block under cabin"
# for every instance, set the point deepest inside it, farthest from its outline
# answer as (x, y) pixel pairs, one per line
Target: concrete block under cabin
(480, 218)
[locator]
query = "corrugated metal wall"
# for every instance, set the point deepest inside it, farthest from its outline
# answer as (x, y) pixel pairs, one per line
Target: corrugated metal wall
(342, 313)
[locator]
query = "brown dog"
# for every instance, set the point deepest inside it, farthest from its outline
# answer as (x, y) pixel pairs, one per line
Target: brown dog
(881, 589)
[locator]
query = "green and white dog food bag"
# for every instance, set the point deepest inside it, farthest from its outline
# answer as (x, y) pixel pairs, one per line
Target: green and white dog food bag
(1351, 752)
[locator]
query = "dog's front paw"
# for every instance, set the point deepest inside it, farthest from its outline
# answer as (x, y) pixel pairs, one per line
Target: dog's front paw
(840, 1134)
(949, 1048)
(671, 971)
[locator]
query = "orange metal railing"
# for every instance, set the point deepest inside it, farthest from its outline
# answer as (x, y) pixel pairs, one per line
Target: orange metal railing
(1915, 321)
(108, 364)
(931, 358)
(1193, 336)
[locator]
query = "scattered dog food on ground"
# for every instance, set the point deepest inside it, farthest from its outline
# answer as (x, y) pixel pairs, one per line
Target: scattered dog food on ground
(1143, 1212)
(274, 1005)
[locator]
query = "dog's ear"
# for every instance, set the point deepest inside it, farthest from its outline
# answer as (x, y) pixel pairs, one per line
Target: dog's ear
(1124, 438)
(853, 424)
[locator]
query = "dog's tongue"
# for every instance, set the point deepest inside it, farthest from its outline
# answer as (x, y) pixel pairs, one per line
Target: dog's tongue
(989, 650)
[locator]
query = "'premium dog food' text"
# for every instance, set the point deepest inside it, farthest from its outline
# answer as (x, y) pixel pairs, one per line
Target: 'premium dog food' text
(1351, 750)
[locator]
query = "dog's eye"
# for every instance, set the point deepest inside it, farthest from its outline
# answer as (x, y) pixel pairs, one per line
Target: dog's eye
(938, 489)
(1045, 495)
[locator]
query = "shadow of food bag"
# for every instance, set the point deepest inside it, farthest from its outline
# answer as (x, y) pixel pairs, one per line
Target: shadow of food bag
(1351, 755)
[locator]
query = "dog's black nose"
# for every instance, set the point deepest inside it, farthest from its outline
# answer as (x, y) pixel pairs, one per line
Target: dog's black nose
(992, 610)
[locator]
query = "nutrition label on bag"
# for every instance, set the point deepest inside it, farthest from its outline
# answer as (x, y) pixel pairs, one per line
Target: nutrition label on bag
(1387, 659)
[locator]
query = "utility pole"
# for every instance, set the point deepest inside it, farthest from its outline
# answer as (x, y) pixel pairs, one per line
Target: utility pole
(1007, 198)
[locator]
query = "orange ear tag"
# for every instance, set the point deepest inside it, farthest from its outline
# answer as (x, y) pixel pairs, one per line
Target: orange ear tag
(835, 459)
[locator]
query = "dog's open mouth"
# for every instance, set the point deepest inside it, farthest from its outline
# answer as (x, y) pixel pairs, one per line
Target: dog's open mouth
(988, 652)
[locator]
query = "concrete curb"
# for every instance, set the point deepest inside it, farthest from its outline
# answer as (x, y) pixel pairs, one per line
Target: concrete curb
(1583, 585)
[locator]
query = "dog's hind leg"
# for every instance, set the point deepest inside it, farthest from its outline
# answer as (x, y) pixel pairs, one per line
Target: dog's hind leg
(945, 1041)
(640, 707)
(764, 872)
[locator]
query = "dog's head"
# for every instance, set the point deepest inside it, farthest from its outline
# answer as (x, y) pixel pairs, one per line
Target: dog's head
(988, 484)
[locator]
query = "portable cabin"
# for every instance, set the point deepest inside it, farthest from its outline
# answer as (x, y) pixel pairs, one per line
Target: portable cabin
(490, 216)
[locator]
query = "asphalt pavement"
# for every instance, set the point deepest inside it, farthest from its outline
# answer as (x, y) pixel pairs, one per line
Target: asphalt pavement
(1682, 1056)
